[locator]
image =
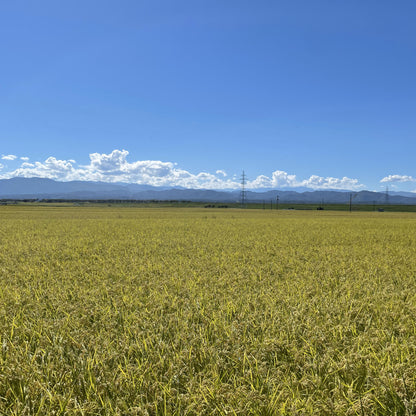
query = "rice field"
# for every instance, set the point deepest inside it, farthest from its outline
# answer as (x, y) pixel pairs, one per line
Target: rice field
(127, 311)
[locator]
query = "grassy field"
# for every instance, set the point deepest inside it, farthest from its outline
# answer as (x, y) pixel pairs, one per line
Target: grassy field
(127, 311)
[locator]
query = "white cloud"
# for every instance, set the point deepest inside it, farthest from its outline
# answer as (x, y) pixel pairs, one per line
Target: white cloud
(114, 167)
(51, 168)
(9, 157)
(332, 183)
(108, 163)
(281, 179)
(261, 181)
(1, 166)
(24, 158)
(398, 178)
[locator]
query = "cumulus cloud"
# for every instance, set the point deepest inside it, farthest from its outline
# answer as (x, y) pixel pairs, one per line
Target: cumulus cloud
(24, 158)
(51, 168)
(398, 178)
(9, 157)
(108, 163)
(115, 167)
(281, 179)
(332, 183)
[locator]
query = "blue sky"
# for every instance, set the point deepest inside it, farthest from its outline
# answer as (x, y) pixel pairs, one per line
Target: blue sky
(297, 93)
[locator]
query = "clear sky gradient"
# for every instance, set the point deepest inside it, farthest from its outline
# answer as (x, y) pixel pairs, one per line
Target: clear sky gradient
(296, 93)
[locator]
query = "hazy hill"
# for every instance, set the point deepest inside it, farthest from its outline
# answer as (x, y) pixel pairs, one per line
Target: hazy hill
(38, 188)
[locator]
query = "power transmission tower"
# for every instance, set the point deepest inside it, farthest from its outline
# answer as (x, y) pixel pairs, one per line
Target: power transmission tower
(243, 189)
(352, 196)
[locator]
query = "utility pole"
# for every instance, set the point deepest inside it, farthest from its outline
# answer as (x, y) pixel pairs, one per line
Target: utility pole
(271, 204)
(243, 189)
(277, 202)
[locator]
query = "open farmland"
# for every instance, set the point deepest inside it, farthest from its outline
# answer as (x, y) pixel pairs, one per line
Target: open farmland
(107, 311)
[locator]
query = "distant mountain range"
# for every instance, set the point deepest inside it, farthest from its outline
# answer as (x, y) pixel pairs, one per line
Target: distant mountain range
(41, 188)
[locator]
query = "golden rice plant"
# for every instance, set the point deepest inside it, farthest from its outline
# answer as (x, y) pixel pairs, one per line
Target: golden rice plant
(126, 311)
